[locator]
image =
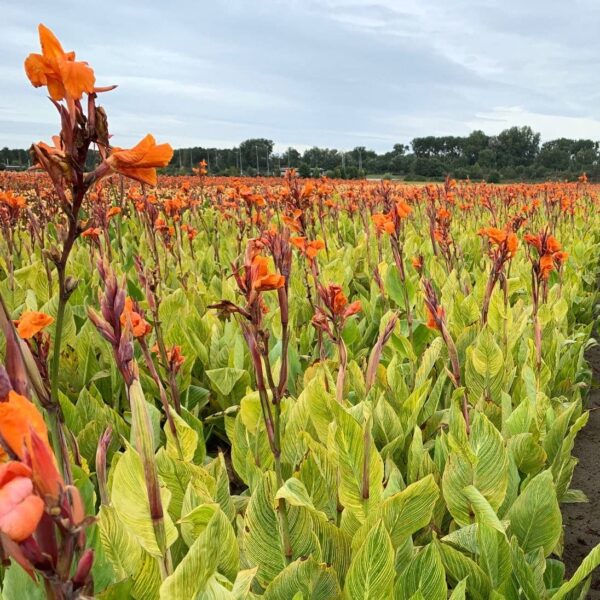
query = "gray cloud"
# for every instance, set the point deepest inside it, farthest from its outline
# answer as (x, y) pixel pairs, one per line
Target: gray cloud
(327, 72)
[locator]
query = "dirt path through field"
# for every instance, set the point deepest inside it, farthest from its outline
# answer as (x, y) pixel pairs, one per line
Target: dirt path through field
(582, 521)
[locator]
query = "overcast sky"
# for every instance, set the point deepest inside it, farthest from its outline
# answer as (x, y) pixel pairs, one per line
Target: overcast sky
(336, 73)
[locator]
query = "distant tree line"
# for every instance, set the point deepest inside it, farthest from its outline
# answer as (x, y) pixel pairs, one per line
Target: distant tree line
(514, 154)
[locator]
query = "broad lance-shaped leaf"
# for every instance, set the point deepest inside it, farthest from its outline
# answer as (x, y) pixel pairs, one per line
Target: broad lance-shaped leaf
(262, 538)
(494, 554)
(224, 380)
(305, 576)
(425, 574)
(127, 558)
(523, 575)
(371, 574)
(535, 517)
(403, 513)
(130, 500)
(214, 551)
(294, 493)
(142, 437)
(358, 491)
(186, 436)
(459, 566)
(487, 470)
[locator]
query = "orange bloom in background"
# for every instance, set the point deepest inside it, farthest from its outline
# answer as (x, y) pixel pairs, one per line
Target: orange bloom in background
(553, 244)
(112, 211)
(339, 303)
(309, 249)
(383, 223)
(534, 240)
(560, 257)
(512, 243)
(262, 280)
(546, 265)
(417, 262)
(431, 318)
(141, 161)
(139, 326)
(18, 416)
(11, 200)
(403, 209)
(58, 70)
(20, 509)
(92, 232)
(32, 322)
(496, 236)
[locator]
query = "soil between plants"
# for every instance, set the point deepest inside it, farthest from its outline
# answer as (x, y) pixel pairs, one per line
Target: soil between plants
(582, 521)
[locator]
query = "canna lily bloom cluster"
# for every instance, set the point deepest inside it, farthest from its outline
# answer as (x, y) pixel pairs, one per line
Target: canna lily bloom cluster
(390, 222)
(307, 248)
(505, 241)
(550, 254)
(335, 311)
(42, 519)
(32, 322)
(132, 317)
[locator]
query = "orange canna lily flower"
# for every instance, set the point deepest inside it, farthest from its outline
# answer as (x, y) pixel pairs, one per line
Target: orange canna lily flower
(113, 211)
(496, 236)
(431, 318)
(512, 243)
(91, 232)
(20, 509)
(546, 265)
(560, 257)
(553, 244)
(58, 70)
(141, 161)
(139, 326)
(11, 200)
(32, 322)
(18, 416)
(403, 210)
(262, 280)
(383, 223)
(534, 240)
(309, 249)
(417, 262)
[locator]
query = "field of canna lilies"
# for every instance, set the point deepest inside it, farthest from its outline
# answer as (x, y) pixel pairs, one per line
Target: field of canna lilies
(242, 388)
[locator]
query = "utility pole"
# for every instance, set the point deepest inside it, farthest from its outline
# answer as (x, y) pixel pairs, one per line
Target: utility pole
(257, 169)
(268, 162)
(240, 156)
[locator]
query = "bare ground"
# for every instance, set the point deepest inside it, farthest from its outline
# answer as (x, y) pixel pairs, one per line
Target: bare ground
(582, 521)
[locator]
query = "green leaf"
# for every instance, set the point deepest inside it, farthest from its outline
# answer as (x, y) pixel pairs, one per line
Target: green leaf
(487, 470)
(535, 516)
(425, 574)
(305, 576)
(215, 551)
(224, 379)
(186, 441)
(404, 513)
(371, 573)
(130, 500)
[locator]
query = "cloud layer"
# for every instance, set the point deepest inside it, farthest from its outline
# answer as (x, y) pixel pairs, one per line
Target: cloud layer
(336, 73)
